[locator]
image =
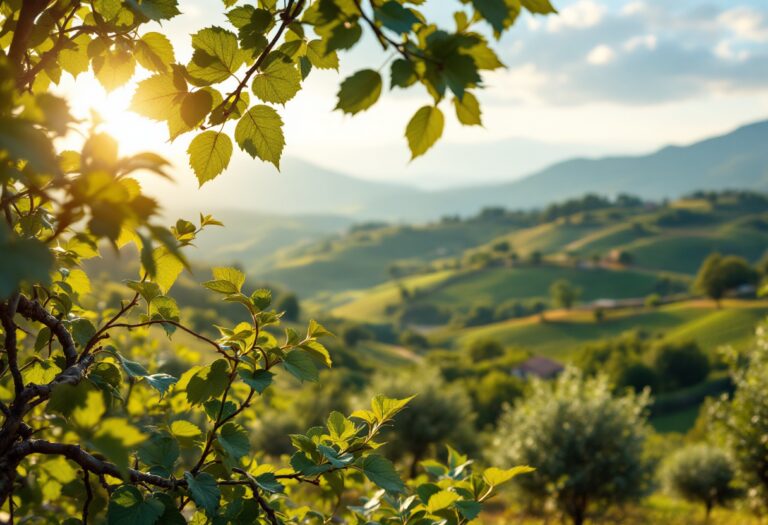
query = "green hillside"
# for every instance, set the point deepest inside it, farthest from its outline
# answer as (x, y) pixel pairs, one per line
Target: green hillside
(669, 238)
(564, 332)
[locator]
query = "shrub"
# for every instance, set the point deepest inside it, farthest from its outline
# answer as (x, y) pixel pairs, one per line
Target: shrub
(484, 349)
(680, 365)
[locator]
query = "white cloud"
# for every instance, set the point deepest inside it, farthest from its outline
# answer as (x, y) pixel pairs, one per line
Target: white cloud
(745, 23)
(519, 84)
(582, 14)
(648, 42)
(634, 8)
(725, 49)
(601, 55)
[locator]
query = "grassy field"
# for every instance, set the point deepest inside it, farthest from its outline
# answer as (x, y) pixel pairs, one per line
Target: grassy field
(496, 285)
(657, 509)
(564, 332)
(363, 259)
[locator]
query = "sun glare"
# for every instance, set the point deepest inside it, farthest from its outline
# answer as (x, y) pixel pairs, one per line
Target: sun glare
(133, 132)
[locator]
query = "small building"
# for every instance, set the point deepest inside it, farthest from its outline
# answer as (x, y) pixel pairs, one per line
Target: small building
(540, 367)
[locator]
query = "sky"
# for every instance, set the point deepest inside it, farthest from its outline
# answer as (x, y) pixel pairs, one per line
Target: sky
(601, 77)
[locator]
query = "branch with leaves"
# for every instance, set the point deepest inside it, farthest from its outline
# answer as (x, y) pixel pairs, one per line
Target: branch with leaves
(99, 421)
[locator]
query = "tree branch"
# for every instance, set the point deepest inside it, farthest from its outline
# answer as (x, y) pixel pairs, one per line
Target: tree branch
(30, 10)
(7, 312)
(180, 327)
(289, 15)
(34, 311)
(90, 462)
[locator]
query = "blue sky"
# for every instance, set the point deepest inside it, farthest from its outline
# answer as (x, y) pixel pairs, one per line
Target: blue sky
(601, 77)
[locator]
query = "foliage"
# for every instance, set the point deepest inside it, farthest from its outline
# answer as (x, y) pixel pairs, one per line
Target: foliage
(484, 349)
(743, 418)
(564, 294)
(92, 426)
(587, 445)
(719, 274)
(701, 473)
(680, 365)
(438, 414)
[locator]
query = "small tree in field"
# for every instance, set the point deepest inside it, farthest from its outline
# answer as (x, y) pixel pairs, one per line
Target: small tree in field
(564, 294)
(719, 274)
(701, 473)
(93, 430)
(586, 444)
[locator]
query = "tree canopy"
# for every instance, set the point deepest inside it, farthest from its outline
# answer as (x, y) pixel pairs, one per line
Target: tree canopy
(95, 424)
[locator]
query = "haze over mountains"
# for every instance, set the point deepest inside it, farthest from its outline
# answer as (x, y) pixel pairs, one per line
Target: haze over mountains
(737, 160)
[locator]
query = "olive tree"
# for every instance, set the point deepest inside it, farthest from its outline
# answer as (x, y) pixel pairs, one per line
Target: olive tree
(742, 419)
(586, 444)
(701, 473)
(92, 429)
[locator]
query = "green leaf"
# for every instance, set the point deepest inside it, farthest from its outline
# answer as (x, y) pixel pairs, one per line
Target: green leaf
(168, 267)
(204, 491)
(82, 331)
(195, 106)
(469, 509)
(261, 298)
(394, 16)
(385, 408)
(268, 482)
(334, 458)
(359, 92)
(230, 274)
(441, 500)
(208, 382)
(156, 9)
(154, 52)
(260, 134)
(540, 7)
(220, 286)
(161, 382)
(209, 154)
(278, 81)
(23, 260)
(424, 129)
(468, 110)
(318, 57)
(161, 449)
(495, 476)
(217, 56)
(127, 506)
(299, 364)
(234, 440)
(156, 96)
(113, 68)
(184, 429)
(403, 73)
(259, 380)
(382, 472)
(496, 12)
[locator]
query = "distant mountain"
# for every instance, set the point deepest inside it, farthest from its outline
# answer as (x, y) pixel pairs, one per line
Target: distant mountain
(737, 160)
